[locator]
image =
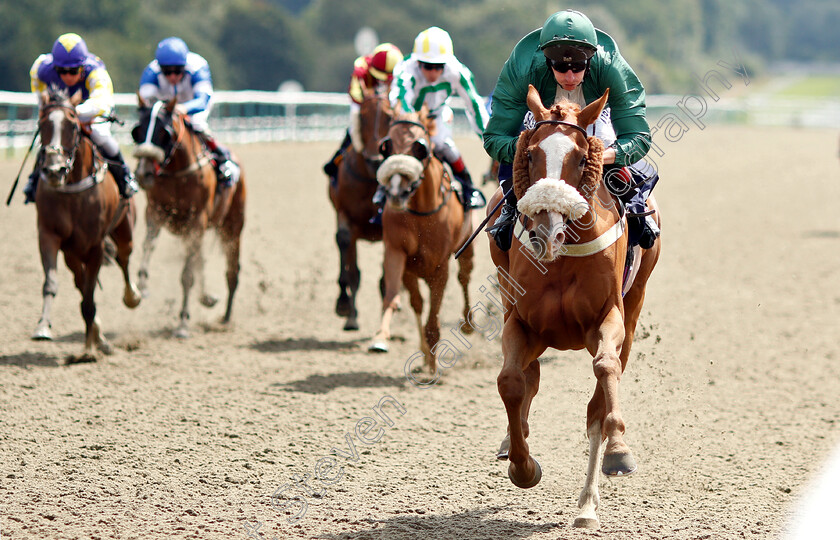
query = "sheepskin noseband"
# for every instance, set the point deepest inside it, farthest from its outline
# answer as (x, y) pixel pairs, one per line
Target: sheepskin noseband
(408, 166)
(151, 151)
(552, 195)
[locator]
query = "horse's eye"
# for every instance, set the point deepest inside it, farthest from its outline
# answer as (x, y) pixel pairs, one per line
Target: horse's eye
(386, 147)
(420, 149)
(530, 157)
(582, 162)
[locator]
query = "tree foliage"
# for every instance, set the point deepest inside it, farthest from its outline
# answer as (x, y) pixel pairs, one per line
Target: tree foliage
(258, 44)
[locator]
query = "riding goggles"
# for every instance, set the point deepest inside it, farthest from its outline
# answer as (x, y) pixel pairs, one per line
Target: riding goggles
(171, 70)
(562, 67)
(68, 70)
(431, 67)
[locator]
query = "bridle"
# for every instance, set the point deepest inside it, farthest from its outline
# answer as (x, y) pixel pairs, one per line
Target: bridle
(415, 184)
(68, 156)
(176, 136)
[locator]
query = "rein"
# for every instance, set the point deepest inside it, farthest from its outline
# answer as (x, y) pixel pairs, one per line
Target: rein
(97, 172)
(200, 160)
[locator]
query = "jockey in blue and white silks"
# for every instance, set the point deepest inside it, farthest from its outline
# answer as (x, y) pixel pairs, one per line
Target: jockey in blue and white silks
(71, 68)
(176, 72)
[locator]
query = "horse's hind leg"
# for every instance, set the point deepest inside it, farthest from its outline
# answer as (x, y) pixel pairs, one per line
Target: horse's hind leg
(123, 235)
(193, 245)
(465, 267)
(153, 225)
(231, 244)
(49, 253)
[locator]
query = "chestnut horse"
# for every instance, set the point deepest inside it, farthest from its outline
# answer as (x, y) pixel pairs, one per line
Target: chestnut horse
(423, 224)
(352, 196)
(564, 288)
(78, 207)
(175, 170)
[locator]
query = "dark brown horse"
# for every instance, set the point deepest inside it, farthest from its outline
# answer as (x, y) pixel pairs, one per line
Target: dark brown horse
(423, 224)
(352, 195)
(78, 207)
(176, 172)
(563, 285)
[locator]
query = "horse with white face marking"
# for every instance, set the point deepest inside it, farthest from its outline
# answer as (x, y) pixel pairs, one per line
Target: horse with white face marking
(563, 278)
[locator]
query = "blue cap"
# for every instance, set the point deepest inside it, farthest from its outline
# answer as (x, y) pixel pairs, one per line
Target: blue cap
(172, 51)
(69, 51)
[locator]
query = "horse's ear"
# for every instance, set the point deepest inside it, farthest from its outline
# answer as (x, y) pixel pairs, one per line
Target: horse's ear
(535, 104)
(592, 111)
(170, 105)
(76, 98)
(423, 115)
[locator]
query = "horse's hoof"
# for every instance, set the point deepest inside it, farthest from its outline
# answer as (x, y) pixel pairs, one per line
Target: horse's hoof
(378, 346)
(132, 298)
(181, 333)
(42, 333)
(209, 300)
(586, 523)
(342, 306)
(618, 464)
(504, 449)
(106, 347)
(351, 325)
(531, 483)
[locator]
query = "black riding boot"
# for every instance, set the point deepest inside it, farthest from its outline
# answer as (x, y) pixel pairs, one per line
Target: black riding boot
(472, 198)
(502, 229)
(31, 186)
(331, 167)
(122, 174)
(379, 199)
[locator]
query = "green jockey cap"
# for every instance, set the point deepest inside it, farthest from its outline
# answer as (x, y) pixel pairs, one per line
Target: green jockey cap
(568, 36)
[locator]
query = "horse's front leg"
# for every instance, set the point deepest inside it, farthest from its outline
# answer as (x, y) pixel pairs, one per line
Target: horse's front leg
(48, 244)
(394, 267)
(193, 245)
(349, 276)
(85, 275)
(518, 383)
(153, 225)
(605, 345)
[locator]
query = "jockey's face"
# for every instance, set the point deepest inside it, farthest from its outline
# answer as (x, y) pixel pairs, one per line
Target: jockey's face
(70, 76)
(568, 79)
(173, 74)
(431, 72)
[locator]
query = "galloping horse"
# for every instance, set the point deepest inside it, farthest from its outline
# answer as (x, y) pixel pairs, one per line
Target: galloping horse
(352, 196)
(175, 170)
(78, 207)
(564, 284)
(422, 225)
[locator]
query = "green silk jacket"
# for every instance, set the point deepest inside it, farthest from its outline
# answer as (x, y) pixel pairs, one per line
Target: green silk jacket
(607, 69)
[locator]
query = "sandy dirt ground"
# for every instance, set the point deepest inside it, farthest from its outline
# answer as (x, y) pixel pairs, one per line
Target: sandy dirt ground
(731, 397)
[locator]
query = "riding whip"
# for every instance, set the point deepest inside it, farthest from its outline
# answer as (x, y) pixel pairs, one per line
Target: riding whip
(17, 178)
(482, 224)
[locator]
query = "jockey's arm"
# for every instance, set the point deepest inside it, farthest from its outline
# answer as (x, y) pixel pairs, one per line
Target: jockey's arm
(101, 96)
(473, 103)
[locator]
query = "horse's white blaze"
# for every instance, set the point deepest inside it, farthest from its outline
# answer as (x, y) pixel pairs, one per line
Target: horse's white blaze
(56, 117)
(555, 147)
(152, 120)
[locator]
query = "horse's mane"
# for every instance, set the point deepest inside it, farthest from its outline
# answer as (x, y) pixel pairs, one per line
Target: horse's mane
(521, 177)
(563, 108)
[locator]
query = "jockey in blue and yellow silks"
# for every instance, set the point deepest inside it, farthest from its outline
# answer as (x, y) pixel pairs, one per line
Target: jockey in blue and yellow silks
(71, 68)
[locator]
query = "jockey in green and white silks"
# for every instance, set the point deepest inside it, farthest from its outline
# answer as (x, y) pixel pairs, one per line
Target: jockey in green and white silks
(431, 75)
(569, 58)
